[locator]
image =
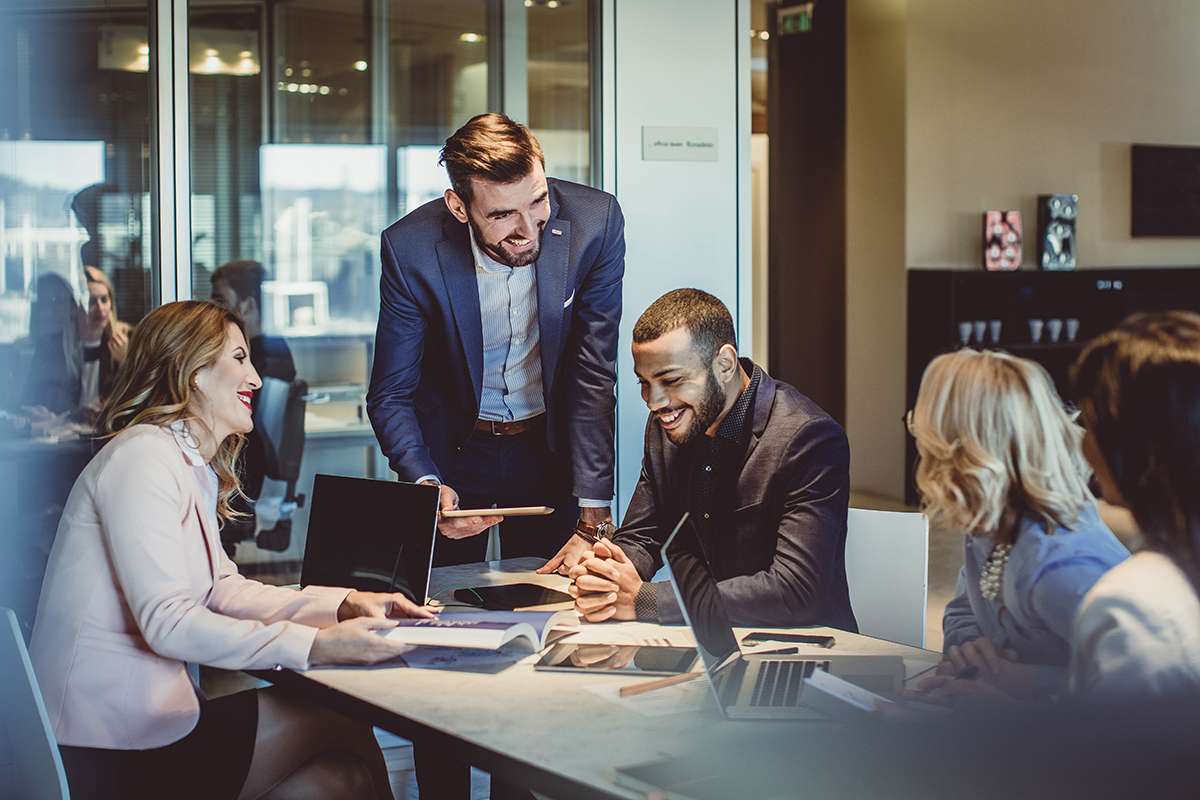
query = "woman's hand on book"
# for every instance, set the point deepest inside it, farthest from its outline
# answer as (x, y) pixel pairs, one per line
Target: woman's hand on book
(380, 605)
(355, 641)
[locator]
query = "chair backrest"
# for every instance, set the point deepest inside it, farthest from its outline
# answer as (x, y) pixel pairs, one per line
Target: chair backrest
(29, 759)
(279, 420)
(887, 567)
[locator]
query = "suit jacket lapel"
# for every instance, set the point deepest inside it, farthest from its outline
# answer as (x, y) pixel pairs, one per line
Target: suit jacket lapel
(764, 401)
(462, 288)
(212, 537)
(555, 284)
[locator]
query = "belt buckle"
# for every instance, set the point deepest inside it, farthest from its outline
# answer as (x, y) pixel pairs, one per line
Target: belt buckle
(492, 425)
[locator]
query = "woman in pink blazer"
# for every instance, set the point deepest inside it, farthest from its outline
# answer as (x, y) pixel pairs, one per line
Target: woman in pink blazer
(138, 588)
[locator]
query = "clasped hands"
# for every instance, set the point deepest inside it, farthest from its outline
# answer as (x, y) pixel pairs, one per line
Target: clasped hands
(997, 678)
(604, 583)
(355, 638)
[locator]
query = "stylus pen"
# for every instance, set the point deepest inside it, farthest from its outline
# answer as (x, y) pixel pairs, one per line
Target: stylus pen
(658, 683)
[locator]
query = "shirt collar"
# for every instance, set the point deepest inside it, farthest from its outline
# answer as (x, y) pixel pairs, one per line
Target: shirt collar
(187, 443)
(736, 424)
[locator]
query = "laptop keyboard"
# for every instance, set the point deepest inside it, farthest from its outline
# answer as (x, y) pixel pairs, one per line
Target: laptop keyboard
(778, 682)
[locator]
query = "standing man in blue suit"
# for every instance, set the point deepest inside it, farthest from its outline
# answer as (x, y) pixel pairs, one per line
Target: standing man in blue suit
(495, 356)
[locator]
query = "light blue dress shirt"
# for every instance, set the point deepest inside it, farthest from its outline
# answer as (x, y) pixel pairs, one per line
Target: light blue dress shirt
(1045, 579)
(512, 359)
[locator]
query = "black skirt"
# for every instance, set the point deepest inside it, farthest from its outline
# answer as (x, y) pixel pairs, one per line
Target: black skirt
(210, 763)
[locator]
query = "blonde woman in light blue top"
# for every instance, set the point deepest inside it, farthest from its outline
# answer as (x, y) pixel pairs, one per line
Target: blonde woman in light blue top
(1000, 461)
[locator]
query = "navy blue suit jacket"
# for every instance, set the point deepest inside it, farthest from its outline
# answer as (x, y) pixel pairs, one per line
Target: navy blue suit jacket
(427, 379)
(780, 549)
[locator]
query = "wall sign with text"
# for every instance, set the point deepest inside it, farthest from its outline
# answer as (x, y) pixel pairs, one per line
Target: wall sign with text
(678, 144)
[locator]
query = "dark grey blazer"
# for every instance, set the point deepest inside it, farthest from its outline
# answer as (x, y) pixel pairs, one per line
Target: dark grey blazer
(780, 551)
(427, 379)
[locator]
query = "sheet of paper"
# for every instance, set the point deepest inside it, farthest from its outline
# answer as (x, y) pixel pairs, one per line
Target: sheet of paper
(643, 633)
(680, 698)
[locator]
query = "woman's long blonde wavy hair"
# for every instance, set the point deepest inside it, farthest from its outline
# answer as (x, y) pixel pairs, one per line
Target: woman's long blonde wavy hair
(996, 443)
(166, 350)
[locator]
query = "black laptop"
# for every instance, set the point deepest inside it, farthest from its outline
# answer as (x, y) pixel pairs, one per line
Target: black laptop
(371, 535)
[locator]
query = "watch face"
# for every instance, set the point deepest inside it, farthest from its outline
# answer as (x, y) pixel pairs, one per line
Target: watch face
(605, 530)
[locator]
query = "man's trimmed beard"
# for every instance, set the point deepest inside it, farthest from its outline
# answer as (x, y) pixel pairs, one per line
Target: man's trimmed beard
(705, 414)
(497, 251)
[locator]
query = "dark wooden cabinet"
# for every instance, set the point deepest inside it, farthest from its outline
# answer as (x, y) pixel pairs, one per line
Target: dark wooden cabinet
(939, 301)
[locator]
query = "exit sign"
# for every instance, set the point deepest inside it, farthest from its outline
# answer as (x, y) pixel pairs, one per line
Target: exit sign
(794, 19)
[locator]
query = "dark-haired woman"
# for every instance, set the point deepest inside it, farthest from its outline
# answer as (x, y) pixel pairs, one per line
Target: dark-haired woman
(138, 588)
(1138, 630)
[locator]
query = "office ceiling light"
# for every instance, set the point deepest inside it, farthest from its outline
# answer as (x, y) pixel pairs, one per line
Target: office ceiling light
(361, 66)
(470, 37)
(211, 51)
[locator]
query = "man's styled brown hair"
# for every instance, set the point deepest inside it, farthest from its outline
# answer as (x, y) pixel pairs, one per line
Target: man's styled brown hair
(490, 147)
(705, 317)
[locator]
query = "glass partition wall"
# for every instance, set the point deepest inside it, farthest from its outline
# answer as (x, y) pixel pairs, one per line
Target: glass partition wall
(305, 127)
(76, 182)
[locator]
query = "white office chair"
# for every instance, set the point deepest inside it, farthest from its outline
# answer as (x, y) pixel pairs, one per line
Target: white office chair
(30, 763)
(887, 566)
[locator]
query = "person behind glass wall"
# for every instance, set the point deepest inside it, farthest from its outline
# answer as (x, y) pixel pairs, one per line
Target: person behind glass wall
(55, 326)
(238, 287)
(105, 339)
(138, 589)
(1000, 461)
(1138, 390)
(77, 354)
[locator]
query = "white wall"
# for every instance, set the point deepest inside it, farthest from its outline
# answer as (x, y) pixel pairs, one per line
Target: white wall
(955, 107)
(680, 63)
(1007, 101)
(875, 275)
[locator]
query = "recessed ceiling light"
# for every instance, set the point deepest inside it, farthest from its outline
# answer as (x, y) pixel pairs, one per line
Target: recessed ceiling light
(471, 37)
(361, 66)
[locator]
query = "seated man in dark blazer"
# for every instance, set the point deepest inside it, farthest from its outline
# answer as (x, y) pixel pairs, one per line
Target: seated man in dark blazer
(762, 470)
(238, 287)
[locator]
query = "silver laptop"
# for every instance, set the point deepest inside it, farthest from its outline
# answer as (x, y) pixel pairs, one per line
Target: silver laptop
(757, 686)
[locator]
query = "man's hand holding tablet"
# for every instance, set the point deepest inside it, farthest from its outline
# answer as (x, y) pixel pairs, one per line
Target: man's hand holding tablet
(519, 511)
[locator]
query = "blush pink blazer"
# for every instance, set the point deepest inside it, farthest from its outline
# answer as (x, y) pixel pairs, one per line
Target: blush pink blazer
(137, 585)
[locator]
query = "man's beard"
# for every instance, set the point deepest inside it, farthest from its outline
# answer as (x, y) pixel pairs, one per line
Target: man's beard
(703, 415)
(503, 256)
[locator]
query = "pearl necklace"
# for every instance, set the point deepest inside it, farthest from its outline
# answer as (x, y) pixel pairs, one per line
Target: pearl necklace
(992, 579)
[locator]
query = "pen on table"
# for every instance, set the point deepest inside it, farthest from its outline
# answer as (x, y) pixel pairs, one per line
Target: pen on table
(922, 672)
(658, 683)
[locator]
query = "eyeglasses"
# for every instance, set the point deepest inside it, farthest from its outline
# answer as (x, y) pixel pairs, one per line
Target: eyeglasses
(908, 423)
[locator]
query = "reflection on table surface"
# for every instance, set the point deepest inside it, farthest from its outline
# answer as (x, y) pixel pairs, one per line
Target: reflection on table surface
(543, 729)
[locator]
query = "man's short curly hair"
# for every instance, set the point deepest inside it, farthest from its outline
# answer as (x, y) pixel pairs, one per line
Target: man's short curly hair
(705, 317)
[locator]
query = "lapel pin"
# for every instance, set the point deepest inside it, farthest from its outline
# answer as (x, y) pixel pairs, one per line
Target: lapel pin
(556, 231)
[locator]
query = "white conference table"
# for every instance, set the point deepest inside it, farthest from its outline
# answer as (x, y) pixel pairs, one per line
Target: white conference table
(540, 729)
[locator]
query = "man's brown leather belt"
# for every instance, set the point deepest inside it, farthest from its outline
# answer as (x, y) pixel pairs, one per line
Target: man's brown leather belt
(505, 428)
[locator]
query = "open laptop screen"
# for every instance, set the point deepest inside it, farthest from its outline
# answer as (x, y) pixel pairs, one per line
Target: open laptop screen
(371, 535)
(699, 597)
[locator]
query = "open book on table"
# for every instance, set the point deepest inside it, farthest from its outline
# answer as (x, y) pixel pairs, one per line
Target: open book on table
(488, 630)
